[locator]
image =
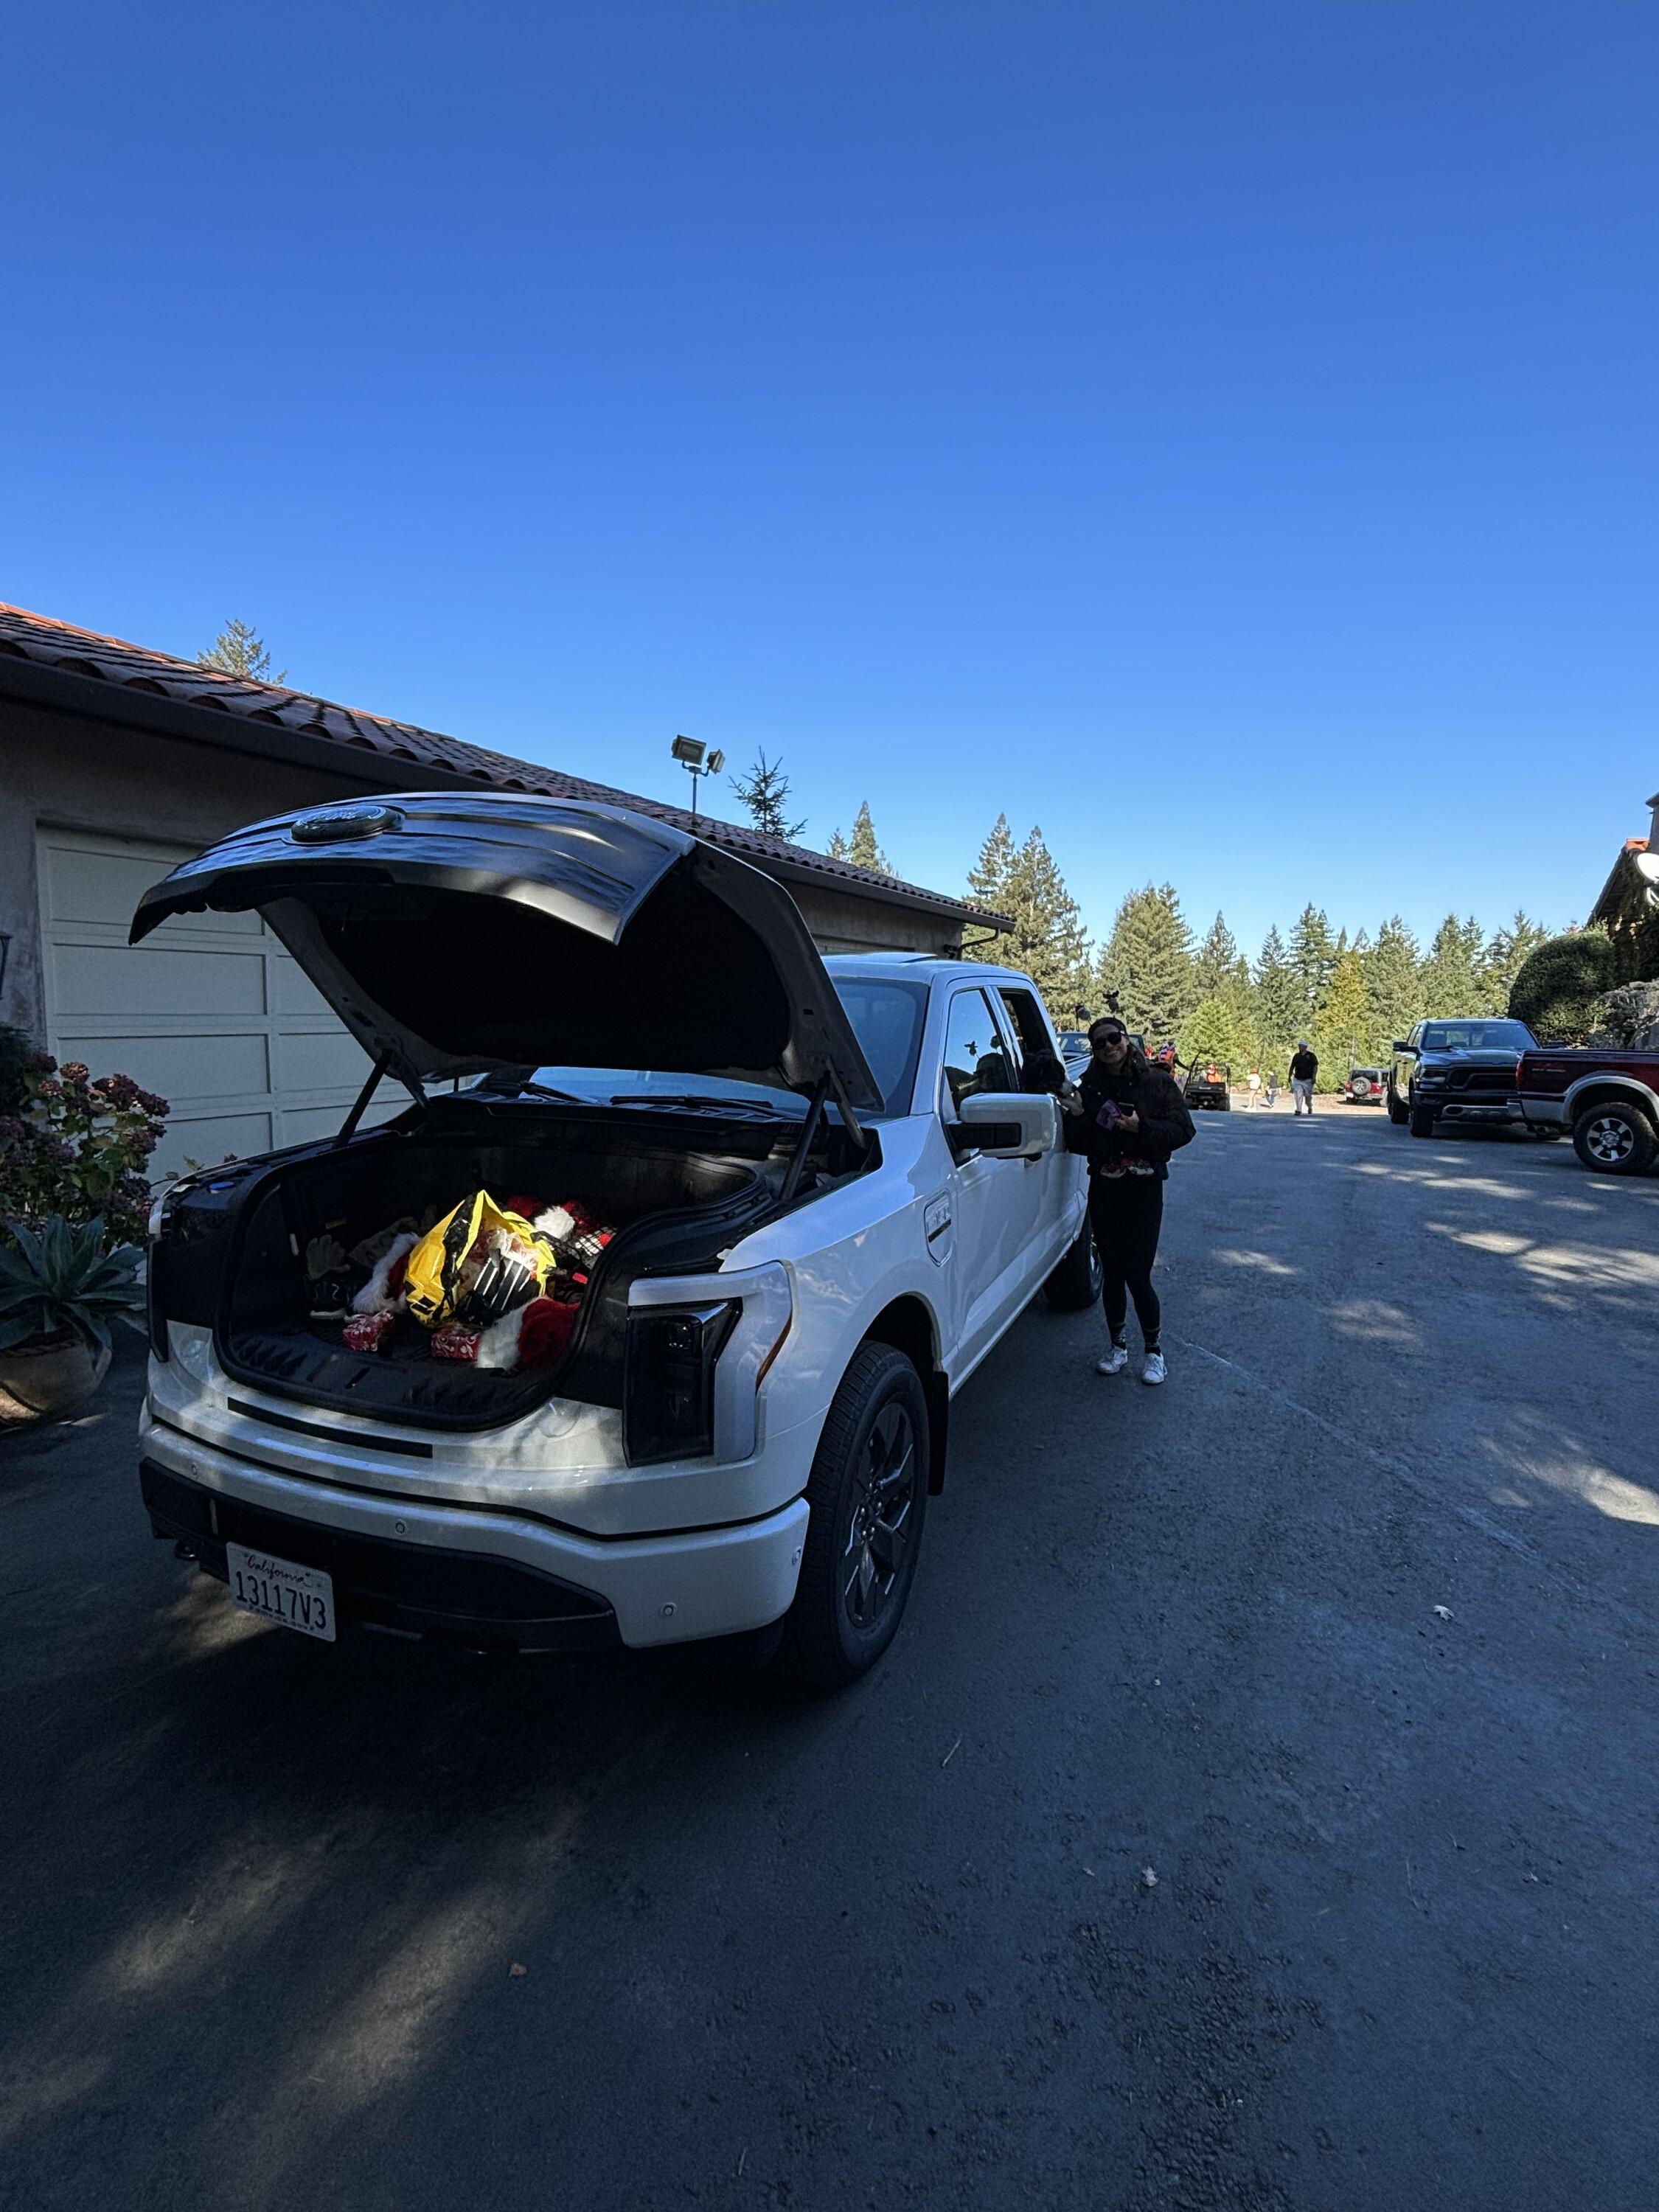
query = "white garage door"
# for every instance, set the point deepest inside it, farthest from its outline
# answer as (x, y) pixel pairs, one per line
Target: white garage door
(209, 1010)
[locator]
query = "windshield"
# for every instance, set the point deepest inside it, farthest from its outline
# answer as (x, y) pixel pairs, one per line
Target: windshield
(1464, 1036)
(886, 1018)
(602, 1085)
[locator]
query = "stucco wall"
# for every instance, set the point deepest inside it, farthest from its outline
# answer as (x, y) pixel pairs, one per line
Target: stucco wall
(61, 771)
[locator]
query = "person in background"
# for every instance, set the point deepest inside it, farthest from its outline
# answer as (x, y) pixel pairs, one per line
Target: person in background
(1253, 1085)
(1305, 1065)
(1273, 1088)
(1128, 1117)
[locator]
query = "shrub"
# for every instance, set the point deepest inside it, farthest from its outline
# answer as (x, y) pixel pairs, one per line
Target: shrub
(79, 1148)
(63, 1280)
(1556, 990)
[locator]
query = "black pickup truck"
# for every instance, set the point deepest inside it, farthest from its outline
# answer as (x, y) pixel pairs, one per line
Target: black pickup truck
(1457, 1071)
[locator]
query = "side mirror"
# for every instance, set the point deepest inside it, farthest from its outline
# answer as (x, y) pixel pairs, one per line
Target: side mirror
(1007, 1125)
(1400, 1045)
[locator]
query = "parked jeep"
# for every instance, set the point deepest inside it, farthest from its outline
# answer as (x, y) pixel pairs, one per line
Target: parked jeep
(1366, 1086)
(1609, 1100)
(1456, 1071)
(778, 1250)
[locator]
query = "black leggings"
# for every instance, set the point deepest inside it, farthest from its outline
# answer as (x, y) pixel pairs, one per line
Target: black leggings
(1128, 1212)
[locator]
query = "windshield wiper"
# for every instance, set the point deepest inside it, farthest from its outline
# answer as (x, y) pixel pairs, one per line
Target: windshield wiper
(698, 1101)
(510, 1082)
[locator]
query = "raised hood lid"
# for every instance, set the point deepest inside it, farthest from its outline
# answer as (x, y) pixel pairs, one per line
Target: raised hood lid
(456, 932)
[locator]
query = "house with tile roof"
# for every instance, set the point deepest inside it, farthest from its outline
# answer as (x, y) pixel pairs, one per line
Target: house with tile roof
(117, 762)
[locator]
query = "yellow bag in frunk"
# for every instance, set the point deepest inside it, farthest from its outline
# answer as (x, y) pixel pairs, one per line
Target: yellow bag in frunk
(444, 1264)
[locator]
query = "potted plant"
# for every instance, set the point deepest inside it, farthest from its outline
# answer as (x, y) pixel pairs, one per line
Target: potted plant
(59, 1291)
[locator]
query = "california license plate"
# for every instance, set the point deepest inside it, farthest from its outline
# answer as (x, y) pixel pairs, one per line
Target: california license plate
(276, 1589)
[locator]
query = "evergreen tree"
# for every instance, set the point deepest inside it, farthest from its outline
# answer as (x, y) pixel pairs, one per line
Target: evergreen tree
(765, 793)
(838, 849)
(1047, 940)
(987, 879)
(1313, 959)
(1506, 954)
(1147, 964)
(1216, 961)
(1452, 982)
(1343, 1034)
(1278, 1002)
(862, 849)
(1217, 1029)
(1393, 987)
(239, 651)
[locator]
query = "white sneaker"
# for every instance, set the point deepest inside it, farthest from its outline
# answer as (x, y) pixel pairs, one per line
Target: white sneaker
(1153, 1370)
(1116, 1359)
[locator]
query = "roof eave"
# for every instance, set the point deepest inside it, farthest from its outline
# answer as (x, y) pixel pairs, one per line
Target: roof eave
(67, 691)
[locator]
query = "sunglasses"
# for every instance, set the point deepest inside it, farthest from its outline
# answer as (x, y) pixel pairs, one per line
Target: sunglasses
(1107, 1039)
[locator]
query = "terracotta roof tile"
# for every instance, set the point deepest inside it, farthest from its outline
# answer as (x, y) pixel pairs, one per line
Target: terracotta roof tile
(52, 643)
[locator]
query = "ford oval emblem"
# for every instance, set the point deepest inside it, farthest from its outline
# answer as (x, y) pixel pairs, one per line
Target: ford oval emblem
(332, 826)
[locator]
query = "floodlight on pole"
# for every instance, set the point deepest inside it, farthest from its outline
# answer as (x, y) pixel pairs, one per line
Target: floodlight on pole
(696, 758)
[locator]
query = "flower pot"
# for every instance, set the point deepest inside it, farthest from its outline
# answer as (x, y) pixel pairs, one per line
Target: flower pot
(43, 1380)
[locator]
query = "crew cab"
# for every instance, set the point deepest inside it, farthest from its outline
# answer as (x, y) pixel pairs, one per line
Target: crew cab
(1608, 1100)
(1456, 1071)
(827, 1197)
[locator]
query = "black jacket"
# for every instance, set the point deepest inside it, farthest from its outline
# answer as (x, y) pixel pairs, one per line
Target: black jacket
(1305, 1065)
(1152, 1096)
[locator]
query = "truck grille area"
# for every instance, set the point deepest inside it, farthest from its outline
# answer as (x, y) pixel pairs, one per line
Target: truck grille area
(478, 1602)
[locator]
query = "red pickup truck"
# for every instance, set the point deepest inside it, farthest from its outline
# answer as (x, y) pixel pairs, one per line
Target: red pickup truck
(1609, 1100)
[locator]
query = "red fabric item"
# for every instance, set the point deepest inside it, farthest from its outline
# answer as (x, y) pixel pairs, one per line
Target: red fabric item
(451, 1341)
(544, 1332)
(525, 1208)
(394, 1281)
(368, 1331)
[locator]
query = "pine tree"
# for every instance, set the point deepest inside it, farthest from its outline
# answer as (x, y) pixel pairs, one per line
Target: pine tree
(1147, 965)
(1047, 940)
(1278, 1001)
(838, 849)
(987, 879)
(1506, 954)
(765, 793)
(1451, 975)
(1342, 1034)
(1394, 986)
(862, 849)
(239, 651)
(1216, 961)
(1217, 1030)
(1313, 959)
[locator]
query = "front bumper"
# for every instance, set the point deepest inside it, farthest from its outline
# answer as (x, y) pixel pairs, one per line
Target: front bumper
(475, 1575)
(1451, 1106)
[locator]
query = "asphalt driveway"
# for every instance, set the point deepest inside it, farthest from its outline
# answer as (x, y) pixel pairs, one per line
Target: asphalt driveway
(1182, 1854)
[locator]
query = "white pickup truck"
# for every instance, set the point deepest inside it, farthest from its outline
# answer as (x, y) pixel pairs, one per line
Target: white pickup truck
(832, 1187)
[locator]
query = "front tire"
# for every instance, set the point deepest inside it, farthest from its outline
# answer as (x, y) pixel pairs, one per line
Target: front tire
(1614, 1139)
(1422, 1120)
(1078, 1281)
(867, 1497)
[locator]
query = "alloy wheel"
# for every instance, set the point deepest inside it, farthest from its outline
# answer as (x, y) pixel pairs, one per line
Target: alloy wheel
(878, 1531)
(1608, 1139)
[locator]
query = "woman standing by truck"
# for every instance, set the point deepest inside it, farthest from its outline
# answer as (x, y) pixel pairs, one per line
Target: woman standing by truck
(1128, 1117)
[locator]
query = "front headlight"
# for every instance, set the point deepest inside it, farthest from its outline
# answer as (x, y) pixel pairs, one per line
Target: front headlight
(1431, 1082)
(668, 1386)
(698, 1348)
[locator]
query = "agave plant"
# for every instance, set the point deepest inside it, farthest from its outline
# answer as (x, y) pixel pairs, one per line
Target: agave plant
(62, 1278)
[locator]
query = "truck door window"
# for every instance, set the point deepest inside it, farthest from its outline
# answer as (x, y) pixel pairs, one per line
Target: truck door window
(1029, 1027)
(977, 1056)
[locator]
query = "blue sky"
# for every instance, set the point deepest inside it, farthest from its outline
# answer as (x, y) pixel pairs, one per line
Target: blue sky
(1222, 432)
